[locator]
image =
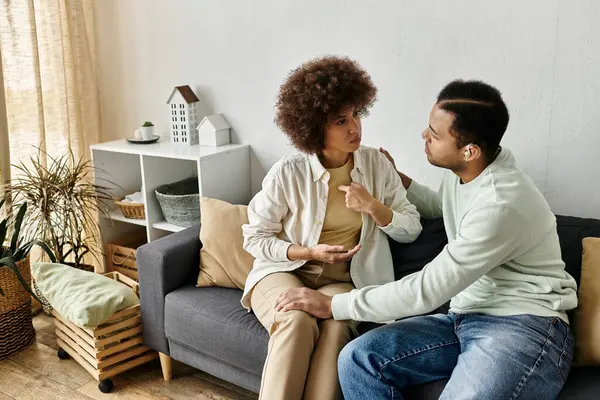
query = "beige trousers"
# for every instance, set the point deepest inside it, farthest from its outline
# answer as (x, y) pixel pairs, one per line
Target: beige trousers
(302, 357)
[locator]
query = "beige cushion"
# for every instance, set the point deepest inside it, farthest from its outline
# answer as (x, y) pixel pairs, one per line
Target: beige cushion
(587, 314)
(223, 260)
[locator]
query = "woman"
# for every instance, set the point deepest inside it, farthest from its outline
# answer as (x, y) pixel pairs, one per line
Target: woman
(320, 222)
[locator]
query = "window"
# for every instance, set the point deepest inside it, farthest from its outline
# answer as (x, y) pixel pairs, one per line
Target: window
(181, 105)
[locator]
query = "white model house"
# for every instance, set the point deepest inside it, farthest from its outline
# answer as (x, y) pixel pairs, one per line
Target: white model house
(183, 107)
(213, 130)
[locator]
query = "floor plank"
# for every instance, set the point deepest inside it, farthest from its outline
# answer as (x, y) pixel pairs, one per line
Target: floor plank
(123, 390)
(37, 373)
(44, 328)
(186, 383)
(19, 382)
(44, 360)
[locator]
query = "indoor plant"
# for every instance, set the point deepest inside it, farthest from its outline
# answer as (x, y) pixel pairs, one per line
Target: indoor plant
(64, 208)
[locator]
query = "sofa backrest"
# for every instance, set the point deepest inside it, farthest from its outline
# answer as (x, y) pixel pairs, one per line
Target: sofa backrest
(409, 258)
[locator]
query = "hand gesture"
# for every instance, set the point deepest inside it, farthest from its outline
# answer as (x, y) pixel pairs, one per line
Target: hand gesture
(332, 254)
(357, 197)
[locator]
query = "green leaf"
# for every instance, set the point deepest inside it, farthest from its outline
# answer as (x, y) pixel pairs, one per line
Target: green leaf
(3, 232)
(46, 249)
(17, 228)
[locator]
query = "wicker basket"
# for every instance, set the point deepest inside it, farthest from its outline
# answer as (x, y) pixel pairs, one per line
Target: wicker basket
(131, 210)
(16, 327)
(180, 202)
(121, 255)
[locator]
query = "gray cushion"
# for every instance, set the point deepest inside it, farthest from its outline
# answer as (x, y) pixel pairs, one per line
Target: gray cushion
(211, 320)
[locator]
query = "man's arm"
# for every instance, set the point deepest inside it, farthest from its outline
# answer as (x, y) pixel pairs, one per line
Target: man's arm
(488, 237)
(428, 202)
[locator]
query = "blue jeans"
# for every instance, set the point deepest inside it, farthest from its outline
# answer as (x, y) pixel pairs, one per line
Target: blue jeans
(485, 357)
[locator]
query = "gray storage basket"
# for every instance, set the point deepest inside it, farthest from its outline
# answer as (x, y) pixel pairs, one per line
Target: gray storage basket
(180, 202)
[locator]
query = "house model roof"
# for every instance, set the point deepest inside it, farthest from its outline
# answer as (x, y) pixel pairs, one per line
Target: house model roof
(218, 122)
(186, 92)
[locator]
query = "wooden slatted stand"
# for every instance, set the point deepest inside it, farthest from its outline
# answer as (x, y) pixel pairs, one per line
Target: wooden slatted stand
(108, 349)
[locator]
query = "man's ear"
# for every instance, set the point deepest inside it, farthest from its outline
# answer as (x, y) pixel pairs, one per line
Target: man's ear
(472, 152)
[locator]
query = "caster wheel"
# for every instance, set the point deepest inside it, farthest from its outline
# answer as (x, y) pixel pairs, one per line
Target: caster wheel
(63, 355)
(106, 386)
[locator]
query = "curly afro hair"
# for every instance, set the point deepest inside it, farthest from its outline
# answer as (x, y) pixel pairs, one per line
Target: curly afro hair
(315, 92)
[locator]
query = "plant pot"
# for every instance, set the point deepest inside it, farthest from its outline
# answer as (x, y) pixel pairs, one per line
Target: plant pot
(16, 328)
(45, 304)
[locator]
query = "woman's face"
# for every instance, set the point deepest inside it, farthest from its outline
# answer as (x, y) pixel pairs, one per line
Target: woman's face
(344, 133)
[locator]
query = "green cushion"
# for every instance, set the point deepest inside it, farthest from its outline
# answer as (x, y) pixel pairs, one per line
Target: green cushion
(84, 298)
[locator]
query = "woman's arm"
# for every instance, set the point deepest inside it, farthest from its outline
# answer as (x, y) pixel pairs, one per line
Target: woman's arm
(266, 212)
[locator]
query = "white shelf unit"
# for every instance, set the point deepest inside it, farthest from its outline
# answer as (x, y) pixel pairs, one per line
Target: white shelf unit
(223, 173)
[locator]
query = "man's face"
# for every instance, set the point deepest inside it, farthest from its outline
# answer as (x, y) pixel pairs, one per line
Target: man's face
(440, 146)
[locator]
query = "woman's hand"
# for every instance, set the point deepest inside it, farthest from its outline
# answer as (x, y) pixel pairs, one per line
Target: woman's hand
(357, 198)
(332, 254)
(308, 300)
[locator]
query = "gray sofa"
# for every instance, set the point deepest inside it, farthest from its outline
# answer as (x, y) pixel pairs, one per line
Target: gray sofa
(208, 329)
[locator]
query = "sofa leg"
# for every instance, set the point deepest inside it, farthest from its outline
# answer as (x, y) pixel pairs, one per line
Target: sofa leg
(166, 364)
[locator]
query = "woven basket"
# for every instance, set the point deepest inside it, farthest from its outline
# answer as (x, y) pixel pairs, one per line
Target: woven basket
(16, 327)
(180, 202)
(131, 210)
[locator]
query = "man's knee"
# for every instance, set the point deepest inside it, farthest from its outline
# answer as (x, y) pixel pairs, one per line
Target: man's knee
(349, 358)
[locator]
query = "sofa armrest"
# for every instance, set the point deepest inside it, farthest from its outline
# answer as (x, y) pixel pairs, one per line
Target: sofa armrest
(163, 266)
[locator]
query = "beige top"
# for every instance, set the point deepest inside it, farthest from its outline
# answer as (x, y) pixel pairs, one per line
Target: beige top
(291, 208)
(341, 226)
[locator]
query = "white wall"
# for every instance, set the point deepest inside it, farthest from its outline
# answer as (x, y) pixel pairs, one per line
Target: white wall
(543, 55)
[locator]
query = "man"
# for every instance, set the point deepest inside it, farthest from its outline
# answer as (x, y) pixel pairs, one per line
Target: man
(507, 334)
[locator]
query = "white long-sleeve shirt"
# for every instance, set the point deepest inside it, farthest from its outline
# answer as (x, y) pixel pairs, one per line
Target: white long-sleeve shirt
(502, 258)
(291, 207)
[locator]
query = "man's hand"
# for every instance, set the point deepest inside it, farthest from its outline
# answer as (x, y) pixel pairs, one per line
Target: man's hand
(332, 254)
(406, 181)
(308, 300)
(357, 198)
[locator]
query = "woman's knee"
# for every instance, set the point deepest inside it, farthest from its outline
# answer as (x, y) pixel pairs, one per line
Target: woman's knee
(336, 329)
(296, 320)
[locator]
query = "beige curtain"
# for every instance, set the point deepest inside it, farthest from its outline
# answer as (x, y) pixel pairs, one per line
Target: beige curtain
(50, 78)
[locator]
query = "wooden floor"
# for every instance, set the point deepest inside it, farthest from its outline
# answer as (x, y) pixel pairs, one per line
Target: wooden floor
(37, 373)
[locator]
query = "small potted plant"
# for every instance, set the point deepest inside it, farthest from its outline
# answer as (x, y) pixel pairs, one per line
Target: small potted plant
(147, 130)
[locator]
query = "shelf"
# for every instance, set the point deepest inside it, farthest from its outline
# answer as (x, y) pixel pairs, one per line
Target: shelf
(165, 226)
(164, 148)
(116, 215)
